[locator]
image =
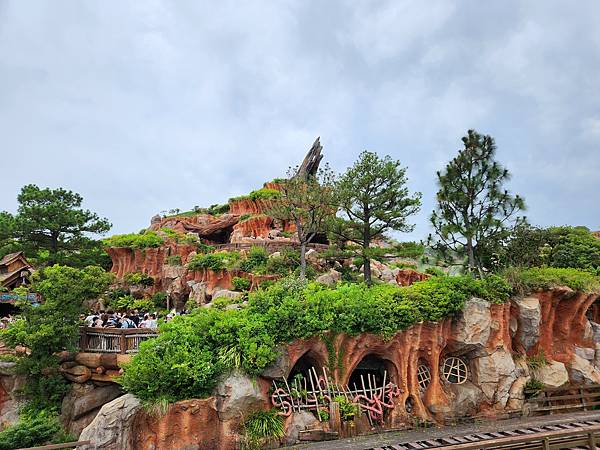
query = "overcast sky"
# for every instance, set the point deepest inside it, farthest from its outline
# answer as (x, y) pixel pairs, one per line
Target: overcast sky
(143, 106)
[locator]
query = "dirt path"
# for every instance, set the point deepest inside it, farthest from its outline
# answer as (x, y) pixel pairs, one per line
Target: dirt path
(395, 437)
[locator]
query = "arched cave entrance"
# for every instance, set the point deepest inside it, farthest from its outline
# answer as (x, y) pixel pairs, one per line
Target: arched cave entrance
(220, 236)
(7, 309)
(304, 364)
(320, 238)
(593, 312)
(372, 367)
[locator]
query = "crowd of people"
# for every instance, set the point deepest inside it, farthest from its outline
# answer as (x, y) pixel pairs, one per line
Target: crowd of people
(129, 319)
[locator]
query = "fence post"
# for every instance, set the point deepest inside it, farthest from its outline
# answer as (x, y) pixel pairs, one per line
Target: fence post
(591, 441)
(123, 343)
(83, 338)
(546, 444)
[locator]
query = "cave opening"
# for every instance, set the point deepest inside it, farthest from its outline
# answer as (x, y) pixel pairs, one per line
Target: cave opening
(374, 368)
(593, 312)
(220, 236)
(303, 366)
(320, 238)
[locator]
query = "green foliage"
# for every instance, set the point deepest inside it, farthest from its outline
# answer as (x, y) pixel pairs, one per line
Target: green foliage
(159, 300)
(533, 387)
(217, 209)
(53, 326)
(139, 278)
(348, 410)
(187, 351)
(473, 209)
(435, 271)
(409, 250)
(214, 261)
(146, 239)
(245, 217)
(204, 248)
(241, 284)
(573, 247)
(259, 194)
(262, 427)
(307, 202)
(34, 430)
(174, 260)
(536, 278)
(537, 361)
(256, 258)
(373, 198)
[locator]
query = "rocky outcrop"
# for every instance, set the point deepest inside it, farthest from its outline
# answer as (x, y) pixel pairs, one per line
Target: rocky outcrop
(529, 318)
(236, 395)
(10, 401)
(112, 428)
(471, 329)
(553, 374)
(406, 277)
(83, 402)
(330, 278)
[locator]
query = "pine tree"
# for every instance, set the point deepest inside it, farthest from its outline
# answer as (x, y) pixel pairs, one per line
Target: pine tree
(474, 211)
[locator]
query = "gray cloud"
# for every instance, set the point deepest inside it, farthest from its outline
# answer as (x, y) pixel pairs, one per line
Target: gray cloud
(147, 106)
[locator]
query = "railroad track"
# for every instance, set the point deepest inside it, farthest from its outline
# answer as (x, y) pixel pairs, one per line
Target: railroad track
(572, 435)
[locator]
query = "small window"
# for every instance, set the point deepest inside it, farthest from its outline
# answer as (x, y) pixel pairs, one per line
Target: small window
(454, 370)
(423, 377)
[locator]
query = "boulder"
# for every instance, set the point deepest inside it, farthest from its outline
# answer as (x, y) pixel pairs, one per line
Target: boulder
(83, 402)
(226, 293)
(465, 399)
(495, 375)
(553, 374)
(312, 255)
(529, 318)
(237, 395)
(280, 368)
(198, 292)
(585, 353)
(10, 400)
(582, 371)
(330, 278)
(297, 422)
(471, 329)
(112, 428)
(516, 395)
(75, 372)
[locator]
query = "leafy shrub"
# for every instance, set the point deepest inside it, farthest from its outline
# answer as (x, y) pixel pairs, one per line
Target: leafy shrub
(256, 258)
(259, 194)
(205, 248)
(435, 271)
(537, 361)
(533, 387)
(33, 430)
(139, 278)
(217, 209)
(245, 217)
(187, 351)
(174, 260)
(409, 249)
(348, 410)
(159, 300)
(144, 240)
(262, 427)
(214, 261)
(536, 278)
(240, 284)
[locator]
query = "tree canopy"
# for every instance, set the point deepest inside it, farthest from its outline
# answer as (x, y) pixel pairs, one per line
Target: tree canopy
(51, 226)
(474, 212)
(373, 199)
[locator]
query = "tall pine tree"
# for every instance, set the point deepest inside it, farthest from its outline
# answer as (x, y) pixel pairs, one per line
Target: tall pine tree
(474, 211)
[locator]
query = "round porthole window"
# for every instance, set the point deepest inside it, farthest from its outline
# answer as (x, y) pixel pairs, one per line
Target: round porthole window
(423, 377)
(454, 370)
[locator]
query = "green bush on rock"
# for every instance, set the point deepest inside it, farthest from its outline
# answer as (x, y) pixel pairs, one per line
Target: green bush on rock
(146, 239)
(188, 356)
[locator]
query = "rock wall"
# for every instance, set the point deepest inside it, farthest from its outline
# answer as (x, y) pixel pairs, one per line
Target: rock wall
(494, 341)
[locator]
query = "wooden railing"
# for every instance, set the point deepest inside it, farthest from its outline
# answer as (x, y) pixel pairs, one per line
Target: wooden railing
(562, 399)
(114, 340)
(268, 245)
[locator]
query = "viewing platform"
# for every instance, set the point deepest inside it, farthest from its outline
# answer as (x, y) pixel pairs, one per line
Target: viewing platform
(114, 340)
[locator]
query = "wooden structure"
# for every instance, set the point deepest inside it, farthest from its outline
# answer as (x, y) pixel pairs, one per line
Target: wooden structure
(114, 340)
(584, 435)
(317, 393)
(270, 246)
(562, 399)
(14, 270)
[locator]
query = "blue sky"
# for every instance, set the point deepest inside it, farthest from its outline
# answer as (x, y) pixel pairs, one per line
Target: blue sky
(144, 106)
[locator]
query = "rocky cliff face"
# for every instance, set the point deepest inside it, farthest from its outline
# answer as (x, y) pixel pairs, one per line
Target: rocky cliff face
(493, 341)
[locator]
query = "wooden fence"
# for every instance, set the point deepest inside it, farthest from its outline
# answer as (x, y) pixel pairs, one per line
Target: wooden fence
(271, 246)
(113, 340)
(562, 399)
